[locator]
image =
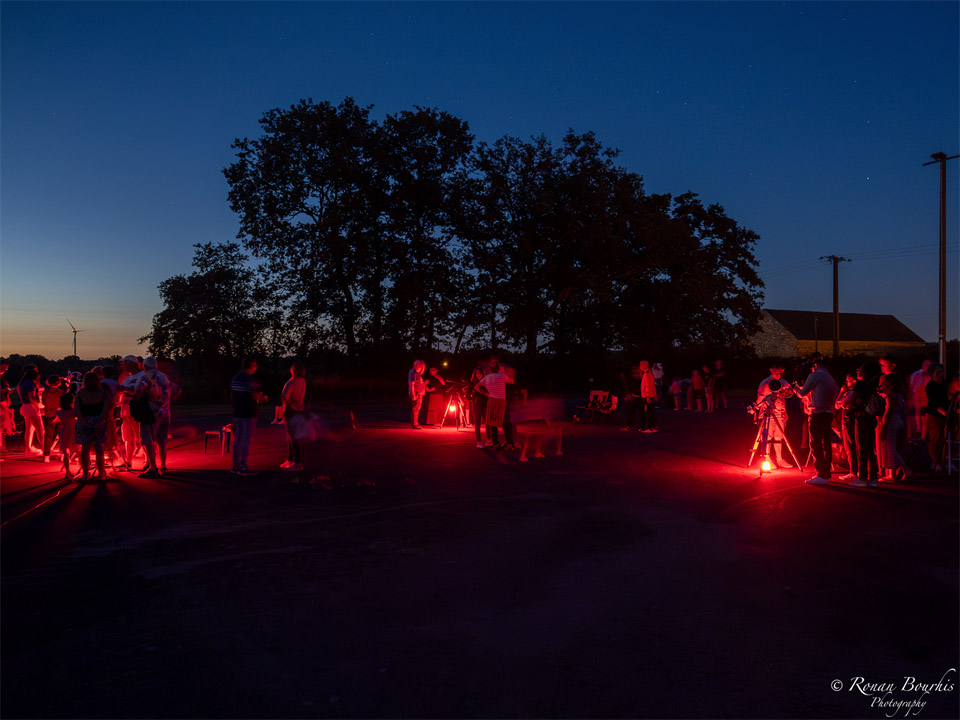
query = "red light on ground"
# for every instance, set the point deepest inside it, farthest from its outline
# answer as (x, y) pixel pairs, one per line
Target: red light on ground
(765, 466)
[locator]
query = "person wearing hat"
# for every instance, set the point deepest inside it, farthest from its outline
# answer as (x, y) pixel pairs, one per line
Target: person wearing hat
(778, 408)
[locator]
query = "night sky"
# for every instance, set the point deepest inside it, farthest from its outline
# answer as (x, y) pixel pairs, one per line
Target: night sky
(808, 122)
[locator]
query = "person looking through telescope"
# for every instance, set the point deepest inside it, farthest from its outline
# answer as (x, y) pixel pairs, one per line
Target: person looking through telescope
(772, 397)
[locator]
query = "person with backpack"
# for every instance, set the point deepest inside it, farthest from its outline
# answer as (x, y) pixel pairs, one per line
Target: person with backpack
(150, 406)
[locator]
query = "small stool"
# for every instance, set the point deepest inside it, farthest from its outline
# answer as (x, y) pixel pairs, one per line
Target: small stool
(212, 434)
(222, 437)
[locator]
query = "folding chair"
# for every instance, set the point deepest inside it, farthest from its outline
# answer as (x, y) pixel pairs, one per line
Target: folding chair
(593, 406)
(607, 412)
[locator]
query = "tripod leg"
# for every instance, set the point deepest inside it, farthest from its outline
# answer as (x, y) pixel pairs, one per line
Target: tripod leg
(760, 441)
(786, 442)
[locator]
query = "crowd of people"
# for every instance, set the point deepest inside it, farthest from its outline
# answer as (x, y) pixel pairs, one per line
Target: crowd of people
(485, 401)
(870, 417)
(122, 414)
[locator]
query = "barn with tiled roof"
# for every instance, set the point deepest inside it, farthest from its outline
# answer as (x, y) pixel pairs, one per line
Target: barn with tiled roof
(795, 333)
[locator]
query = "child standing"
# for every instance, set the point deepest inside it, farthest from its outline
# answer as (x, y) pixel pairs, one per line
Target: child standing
(676, 389)
(697, 385)
(67, 421)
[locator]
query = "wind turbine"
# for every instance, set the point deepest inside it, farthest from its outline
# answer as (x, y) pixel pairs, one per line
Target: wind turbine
(75, 331)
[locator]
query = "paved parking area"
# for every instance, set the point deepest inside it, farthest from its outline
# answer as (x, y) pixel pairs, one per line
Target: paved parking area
(417, 576)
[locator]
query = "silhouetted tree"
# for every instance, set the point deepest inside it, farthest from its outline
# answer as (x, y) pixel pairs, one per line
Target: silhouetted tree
(512, 239)
(401, 234)
(216, 311)
(424, 154)
(309, 200)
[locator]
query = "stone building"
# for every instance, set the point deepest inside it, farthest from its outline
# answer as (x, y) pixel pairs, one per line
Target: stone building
(796, 333)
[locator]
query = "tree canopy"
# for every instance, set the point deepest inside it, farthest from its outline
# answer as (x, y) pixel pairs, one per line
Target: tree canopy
(217, 311)
(373, 236)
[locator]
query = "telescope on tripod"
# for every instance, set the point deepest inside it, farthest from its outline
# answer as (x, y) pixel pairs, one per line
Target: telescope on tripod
(456, 404)
(765, 415)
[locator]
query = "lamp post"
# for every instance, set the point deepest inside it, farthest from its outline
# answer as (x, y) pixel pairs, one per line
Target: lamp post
(942, 158)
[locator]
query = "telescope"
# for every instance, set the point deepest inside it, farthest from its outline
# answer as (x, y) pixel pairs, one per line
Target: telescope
(777, 390)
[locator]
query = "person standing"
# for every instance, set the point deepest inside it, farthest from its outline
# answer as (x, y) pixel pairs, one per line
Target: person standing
(697, 394)
(516, 396)
(66, 419)
(7, 426)
(709, 385)
(436, 399)
(246, 394)
(821, 389)
(719, 385)
(416, 388)
(937, 405)
(158, 390)
(847, 404)
(777, 406)
(92, 409)
(51, 404)
(114, 446)
(291, 399)
(31, 410)
(866, 427)
(676, 389)
(633, 398)
(494, 386)
(478, 405)
(918, 397)
(889, 428)
(129, 427)
(657, 370)
(648, 396)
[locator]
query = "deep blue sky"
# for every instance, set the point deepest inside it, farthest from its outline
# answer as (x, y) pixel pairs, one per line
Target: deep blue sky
(807, 122)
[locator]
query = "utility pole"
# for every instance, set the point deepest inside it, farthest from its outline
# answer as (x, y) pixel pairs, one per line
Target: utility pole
(836, 300)
(942, 159)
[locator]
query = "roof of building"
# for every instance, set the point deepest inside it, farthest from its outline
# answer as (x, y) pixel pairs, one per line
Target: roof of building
(862, 327)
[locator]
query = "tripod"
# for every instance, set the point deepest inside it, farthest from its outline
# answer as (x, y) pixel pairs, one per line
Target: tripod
(766, 415)
(455, 401)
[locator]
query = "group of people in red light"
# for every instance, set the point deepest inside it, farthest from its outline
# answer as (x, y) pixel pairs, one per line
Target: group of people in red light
(74, 415)
(869, 417)
(122, 413)
(487, 398)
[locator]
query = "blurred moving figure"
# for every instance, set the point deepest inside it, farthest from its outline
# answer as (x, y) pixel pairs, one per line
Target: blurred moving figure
(292, 402)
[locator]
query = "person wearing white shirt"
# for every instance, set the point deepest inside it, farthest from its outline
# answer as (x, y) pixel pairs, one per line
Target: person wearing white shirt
(494, 386)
